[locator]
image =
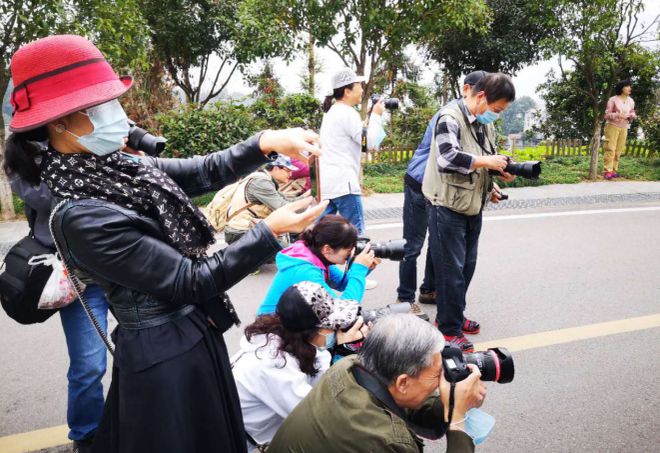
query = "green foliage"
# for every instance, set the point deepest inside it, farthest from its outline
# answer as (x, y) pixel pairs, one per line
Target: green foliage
(570, 114)
(515, 35)
(407, 128)
(196, 132)
(384, 177)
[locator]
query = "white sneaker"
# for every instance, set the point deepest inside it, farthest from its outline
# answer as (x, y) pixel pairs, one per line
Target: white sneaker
(370, 284)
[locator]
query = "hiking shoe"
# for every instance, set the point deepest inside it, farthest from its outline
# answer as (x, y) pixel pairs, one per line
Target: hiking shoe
(83, 445)
(460, 341)
(609, 175)
(415, 309)
(427, 298)
(471, 327)
(370, 284)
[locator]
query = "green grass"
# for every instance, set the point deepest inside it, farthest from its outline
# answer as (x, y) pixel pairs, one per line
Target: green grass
(203, 200)
(386, 178)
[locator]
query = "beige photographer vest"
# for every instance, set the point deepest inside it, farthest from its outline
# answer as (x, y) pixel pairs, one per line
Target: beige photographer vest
(464, 194)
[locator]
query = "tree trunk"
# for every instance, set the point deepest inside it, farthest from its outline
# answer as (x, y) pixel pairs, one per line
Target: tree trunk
(311, 66)
(595, 145)
(6, 200)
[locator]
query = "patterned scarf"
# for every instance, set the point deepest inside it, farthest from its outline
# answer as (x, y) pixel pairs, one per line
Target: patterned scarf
(130, 184)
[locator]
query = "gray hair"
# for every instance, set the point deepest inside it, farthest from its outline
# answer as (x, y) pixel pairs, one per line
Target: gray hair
(400, 344)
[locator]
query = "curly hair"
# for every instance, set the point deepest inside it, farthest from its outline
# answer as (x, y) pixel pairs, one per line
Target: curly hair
(298, 344)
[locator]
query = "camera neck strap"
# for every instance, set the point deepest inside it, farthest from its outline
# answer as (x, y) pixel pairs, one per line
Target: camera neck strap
(376, 388)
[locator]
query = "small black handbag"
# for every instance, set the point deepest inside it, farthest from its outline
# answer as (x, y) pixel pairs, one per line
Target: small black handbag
(21, 284)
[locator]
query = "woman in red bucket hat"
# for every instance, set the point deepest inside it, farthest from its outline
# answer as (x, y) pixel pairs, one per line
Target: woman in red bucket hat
(128, 224)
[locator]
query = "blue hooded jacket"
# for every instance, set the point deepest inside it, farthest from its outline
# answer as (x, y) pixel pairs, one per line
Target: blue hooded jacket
(297, 263)
(417, 164)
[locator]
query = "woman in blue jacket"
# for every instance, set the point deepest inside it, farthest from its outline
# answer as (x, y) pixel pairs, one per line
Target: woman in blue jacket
(315, 258)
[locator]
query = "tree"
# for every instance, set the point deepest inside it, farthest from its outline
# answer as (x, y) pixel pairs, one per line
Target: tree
(22, 21)
(600, 38)
(513, 118)
(368, 34)
(516, 36)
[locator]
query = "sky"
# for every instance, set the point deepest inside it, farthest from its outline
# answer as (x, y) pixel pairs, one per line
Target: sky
(526, 80)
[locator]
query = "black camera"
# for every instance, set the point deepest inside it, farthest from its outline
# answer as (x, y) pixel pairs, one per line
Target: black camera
(390, 103)
(374, 314)
(142, 140)
(495, 364)
(530, 169)
(391, 250)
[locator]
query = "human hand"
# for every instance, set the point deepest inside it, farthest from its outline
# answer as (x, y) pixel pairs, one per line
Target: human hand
(367, 258)
(379, 107)
(497, 162)
(506, 177)
(287, 220)
(307, 193)
(468, 393)
(291, 142)
(357, 332)
(496, 193)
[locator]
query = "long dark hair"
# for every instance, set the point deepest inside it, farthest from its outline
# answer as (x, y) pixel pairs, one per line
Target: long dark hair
(298, 344)
(21, 152)
(336, 95)
(333, 230)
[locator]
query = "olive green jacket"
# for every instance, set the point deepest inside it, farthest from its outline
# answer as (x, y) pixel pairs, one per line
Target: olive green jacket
(339, 415)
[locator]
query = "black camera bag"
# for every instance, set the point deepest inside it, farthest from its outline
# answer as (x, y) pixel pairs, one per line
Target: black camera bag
(21, 284)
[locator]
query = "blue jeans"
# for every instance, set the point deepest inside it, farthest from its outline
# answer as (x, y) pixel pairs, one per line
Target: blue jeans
(87, 362)
(350, 207)
(415, 222)
(453, 241)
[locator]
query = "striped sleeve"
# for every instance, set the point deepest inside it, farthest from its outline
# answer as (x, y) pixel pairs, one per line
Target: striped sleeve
(448, 140)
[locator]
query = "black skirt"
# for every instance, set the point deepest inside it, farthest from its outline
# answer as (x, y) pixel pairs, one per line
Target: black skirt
(185, 403)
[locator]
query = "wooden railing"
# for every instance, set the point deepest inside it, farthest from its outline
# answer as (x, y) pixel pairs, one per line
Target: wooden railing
(580, 148)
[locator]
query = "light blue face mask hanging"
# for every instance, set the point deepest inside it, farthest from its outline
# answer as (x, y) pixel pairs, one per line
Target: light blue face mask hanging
(478, 425)
(110, 128)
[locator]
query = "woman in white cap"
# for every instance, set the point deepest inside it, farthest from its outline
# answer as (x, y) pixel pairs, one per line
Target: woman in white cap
(284, 354)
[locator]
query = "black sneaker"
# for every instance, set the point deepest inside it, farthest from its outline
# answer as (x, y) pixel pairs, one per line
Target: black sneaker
(460, 341)
(415, 309)
(83, 445)
(427, 298)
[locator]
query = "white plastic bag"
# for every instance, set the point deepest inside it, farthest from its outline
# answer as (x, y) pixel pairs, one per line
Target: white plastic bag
(58, 291)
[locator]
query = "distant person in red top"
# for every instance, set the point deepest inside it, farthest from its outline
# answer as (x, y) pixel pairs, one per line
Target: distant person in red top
(620, 112)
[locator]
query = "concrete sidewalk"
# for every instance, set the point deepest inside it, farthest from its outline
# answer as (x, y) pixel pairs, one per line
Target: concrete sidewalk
(388, 205)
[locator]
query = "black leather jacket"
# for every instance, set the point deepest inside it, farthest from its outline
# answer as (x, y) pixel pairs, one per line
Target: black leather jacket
(148, 282)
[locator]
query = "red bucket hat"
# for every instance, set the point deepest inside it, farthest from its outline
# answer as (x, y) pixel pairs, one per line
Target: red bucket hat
(59, 75)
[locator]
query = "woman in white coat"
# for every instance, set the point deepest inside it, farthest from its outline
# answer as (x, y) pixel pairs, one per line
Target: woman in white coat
(284, 354)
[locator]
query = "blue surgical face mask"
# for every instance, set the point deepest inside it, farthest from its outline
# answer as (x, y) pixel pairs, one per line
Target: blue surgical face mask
(487, 117)
(110, 128)
(330, 341)
(478, 425)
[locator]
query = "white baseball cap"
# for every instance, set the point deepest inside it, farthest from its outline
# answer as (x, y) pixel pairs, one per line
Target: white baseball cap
(344, 77)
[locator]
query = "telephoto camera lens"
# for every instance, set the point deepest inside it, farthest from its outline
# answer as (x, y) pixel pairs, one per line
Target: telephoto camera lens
(142, 140)
(495, 364)
(390, 250)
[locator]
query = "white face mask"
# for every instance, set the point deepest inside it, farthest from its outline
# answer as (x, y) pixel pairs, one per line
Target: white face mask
(110, 127)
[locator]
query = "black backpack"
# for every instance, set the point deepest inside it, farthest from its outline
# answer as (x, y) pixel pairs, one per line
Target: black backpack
(21, 284)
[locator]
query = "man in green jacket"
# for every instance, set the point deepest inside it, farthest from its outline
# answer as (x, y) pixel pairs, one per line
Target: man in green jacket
(402, 355)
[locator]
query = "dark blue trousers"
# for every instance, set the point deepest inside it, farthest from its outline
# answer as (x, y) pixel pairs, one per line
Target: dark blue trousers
(453, 242)
(415, 221)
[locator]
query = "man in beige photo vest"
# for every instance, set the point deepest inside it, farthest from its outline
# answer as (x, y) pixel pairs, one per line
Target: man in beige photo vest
(457, 185)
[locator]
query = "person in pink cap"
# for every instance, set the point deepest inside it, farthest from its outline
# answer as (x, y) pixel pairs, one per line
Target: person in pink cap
(127, 223)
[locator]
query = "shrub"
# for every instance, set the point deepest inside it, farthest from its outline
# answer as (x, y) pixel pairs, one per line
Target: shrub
(192, 132)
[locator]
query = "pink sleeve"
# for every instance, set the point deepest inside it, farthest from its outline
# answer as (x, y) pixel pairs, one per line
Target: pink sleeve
(611, 110)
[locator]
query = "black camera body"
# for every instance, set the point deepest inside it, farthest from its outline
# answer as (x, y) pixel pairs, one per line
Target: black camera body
(390, 103)
(391, 250)
(374, 314)
(530, 169)
(141, 140)
(495, 364)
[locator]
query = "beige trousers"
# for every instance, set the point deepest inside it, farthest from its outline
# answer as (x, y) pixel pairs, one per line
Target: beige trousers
(615, 142)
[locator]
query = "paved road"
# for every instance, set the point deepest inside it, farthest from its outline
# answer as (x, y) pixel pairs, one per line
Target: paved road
(539, 270)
